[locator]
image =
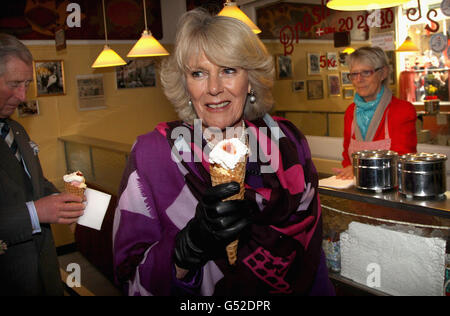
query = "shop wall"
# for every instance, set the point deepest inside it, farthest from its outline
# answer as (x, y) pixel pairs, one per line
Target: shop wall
(286, 99)
(131, 112)
(128, 112)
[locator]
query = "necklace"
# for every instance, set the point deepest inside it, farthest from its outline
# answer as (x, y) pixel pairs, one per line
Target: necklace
(243, 137)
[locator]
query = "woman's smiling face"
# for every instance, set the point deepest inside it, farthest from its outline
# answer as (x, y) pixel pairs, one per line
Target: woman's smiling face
(218, 93)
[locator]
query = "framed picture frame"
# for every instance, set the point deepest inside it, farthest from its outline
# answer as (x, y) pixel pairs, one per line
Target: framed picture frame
(391, 60)
(91, 94)
(332, 61)
(343, 59)
(334, 85)
(314, 89)
(348, 93)
(313, 60)
(298, 85)
(346, 82)
(283, 67)
(137, 73)
(49, 77)
(28, 108)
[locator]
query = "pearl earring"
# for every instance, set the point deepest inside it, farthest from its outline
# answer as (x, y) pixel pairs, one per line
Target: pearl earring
(252, 97)
(190, 103)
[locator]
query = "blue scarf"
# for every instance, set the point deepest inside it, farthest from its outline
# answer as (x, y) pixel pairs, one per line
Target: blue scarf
(365, 111)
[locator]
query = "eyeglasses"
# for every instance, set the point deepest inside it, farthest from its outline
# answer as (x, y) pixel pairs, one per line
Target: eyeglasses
(18, 84)
(365, 73)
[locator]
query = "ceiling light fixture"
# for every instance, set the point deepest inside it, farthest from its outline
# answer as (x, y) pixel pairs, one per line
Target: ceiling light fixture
(108, 57)
(147, 46)
(408, 46)
(367, 5)
(231, 9)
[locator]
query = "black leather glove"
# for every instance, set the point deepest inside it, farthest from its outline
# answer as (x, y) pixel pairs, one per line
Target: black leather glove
(216, 223)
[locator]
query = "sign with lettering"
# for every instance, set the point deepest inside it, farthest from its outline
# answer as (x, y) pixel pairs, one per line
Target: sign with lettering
(291, 22)
(383, 40)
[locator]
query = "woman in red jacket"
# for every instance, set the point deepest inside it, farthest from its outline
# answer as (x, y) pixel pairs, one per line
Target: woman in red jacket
(376, 119)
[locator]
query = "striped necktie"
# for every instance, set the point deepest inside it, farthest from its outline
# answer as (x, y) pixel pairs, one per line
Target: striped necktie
(8, 136)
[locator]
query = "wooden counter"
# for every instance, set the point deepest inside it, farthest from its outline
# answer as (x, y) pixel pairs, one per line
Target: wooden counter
(393, 199)
(426, 218)
(97, 143)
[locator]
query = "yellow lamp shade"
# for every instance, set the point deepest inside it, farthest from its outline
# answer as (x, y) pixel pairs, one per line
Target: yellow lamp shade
(231, 10)
(408, 46)
(348, 50)
(147, 46)
(351, 5)
(108, 58)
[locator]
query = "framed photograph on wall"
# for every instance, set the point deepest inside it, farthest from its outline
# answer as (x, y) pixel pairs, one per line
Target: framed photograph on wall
(349, 93)
(298, 85)
(313, 60)
(91, 95)
(392, 74)
(314, 89)
(137, 73)
(344, 78)
(332, 61)
(334, 86)
(28, 108)
(283, 67)
(49, 77)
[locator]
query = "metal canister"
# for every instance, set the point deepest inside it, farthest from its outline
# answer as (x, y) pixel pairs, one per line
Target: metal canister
(422, 175)
(375, 170)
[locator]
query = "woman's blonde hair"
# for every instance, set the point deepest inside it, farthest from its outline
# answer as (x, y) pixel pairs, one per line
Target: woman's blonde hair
(372, 56)
(224, 41)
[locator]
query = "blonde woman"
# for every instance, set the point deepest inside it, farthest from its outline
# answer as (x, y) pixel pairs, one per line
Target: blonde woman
(171, 226)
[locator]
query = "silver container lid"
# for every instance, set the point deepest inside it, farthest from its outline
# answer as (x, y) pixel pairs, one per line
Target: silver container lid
(422, 158)
(375, 154)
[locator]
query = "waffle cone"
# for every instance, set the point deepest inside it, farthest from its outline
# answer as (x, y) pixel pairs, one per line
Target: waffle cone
(232, 252)
(221, 175)
(78, 192)
(74, 190)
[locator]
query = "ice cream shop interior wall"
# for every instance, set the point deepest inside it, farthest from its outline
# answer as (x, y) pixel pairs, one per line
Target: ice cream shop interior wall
(306, 39)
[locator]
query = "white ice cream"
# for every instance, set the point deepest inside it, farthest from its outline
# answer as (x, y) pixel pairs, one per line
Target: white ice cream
(228, 152)
(76, 179)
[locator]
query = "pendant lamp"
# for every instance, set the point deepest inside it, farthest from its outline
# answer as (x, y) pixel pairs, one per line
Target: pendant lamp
(108, 57)
(147, 46)
(351, 5)
(231, 9)
(408, 46)
(348, 50)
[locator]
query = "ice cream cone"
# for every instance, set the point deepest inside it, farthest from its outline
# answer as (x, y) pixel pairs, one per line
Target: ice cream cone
(228, 160)
(78, 189)
(221, 175)
(69, 188)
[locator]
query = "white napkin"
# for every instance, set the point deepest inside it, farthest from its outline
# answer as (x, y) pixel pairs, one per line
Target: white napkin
(96, 205)
(332, 182)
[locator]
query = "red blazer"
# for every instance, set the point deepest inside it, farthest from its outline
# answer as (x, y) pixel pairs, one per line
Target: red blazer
(401, 124)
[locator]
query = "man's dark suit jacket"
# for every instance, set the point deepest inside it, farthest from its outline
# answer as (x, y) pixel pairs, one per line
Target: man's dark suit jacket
(29, 266)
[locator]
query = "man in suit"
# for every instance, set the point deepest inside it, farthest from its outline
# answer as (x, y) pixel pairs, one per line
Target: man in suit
(28, 202)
